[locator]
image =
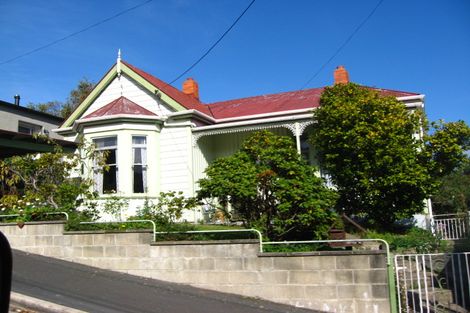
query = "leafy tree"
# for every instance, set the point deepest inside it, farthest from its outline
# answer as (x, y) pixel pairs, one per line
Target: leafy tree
(272, 188)
(366, 143)
(77, 95)
(453, 195)
(448, 144)
(51, 107)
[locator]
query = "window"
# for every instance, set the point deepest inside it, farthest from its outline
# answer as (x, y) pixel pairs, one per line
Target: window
(28, 128)
(305, 149)
(139, 166)
(106, 180)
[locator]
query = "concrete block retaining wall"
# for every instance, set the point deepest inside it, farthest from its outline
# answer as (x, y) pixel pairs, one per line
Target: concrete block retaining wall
(340, 282)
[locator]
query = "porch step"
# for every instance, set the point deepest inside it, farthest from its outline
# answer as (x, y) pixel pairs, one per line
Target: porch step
(439, 300)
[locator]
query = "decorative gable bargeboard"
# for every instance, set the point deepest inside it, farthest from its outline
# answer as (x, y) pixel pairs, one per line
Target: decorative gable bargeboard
(161, 139)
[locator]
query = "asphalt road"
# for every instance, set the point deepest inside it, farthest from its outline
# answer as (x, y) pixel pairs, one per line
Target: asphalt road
(95, 290)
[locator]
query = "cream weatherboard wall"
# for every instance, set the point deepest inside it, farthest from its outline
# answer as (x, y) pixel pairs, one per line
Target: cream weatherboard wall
(177, 172)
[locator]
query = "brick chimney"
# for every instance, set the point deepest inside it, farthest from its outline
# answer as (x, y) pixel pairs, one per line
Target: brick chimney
(191, 88)
(341, 75)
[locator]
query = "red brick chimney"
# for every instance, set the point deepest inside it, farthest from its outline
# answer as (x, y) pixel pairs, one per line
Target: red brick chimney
(191, 88)
(341, 75)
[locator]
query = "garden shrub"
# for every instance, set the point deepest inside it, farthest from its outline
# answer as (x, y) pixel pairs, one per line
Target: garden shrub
(415, 240)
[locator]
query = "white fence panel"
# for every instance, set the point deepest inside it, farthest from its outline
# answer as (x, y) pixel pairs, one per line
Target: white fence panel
(433, 283)
(451, 226)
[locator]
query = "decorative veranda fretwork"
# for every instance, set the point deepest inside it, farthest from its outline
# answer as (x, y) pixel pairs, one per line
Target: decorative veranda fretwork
(297, 129)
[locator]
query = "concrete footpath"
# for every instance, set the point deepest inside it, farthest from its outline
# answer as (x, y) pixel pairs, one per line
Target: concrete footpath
(77, 288)
(20, 303)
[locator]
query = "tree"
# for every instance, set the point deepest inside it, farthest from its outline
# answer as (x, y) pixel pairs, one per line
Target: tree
(448, 144)
(51, 107)
(77, 95)
(370, 146)
(453, 195)
(272, 188)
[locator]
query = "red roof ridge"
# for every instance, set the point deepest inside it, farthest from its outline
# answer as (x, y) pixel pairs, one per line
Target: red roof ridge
(121, 105)
(185, 100)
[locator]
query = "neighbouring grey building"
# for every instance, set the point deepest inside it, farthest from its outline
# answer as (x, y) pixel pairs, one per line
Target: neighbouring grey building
(18, 125)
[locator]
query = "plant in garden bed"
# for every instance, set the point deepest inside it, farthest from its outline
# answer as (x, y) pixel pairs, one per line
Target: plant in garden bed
(114, 205)
(415, 240)
(168, 208)
(110, 226)
(286, 248)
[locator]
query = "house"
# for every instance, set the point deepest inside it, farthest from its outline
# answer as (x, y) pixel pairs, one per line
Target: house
(18, 125)
(160, 138)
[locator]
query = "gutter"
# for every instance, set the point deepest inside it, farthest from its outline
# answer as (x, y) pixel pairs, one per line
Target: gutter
(252, 122)
(77, 123)
(240, 121)
(415, 97)
(419, 101)
(257, 116)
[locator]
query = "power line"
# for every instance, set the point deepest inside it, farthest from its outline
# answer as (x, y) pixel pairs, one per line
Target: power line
(76, 33)
(199, 60)
(215, 44)
(344, 43)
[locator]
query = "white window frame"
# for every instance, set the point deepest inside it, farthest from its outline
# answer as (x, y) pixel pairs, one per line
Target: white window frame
(32, 128)
(143, 163)
(98, 170)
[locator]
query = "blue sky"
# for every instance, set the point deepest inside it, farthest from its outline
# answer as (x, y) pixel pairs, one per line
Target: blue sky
(418, 46)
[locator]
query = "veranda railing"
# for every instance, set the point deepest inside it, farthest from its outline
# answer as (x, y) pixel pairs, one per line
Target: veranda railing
(451, 226)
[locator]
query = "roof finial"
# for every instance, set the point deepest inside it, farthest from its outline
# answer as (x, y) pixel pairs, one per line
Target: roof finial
(118, 63)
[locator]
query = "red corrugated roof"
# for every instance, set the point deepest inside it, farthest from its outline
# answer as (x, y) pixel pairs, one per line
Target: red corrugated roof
(286, 101)
(187, 101)
(121, 105)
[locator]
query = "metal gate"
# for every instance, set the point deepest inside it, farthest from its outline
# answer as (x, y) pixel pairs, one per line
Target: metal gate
(433, 282)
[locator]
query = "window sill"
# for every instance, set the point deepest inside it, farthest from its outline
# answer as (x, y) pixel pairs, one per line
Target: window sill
(126, 196)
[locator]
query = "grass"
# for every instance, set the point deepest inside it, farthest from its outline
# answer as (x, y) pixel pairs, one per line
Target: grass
(216, 227)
